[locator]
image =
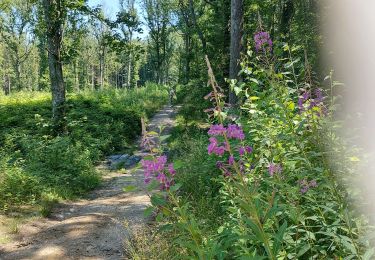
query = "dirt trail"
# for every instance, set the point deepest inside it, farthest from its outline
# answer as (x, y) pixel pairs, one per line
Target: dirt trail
(93, 228)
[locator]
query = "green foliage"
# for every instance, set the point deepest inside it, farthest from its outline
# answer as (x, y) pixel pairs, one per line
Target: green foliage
(258, 215)
(192, 96)
(38, 168)
(196, 176)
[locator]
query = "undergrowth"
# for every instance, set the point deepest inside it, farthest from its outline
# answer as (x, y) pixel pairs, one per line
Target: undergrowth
(38, 168)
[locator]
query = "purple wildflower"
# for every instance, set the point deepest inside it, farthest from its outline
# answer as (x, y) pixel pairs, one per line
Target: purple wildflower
(213, 144)
(161, 177)
(171, 169)
(319, 95)
(217, 130)
(157, 169)
(274, 168)
(231, 160)
(242, 150)
(313, 184)
(214, 148)
(219, 164)
(219, 150)
(300, 104)
(227, 173)
(160, 163)
(167, 185)
(304, 189)
(306, 185)
(235, 131)
(262, 41)
(249, 149)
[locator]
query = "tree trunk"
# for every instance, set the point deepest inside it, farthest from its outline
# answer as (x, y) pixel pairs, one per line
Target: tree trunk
(236, 21)
(129, 69)
(43, 62)
(187, 59)
(225, 14)
(54, 14)
(198, 29)
(101, 68)
(287, 12)
(6, 86)
(17, 71)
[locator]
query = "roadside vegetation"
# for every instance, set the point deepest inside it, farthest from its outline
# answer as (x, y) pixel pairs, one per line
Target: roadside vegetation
(38, 167)
(254, 169)
(256, 182)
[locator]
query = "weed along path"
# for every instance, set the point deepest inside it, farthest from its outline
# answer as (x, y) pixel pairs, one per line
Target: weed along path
(91, 228)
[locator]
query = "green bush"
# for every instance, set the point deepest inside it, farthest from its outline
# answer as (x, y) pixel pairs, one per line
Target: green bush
(192, 98)
(61, 165)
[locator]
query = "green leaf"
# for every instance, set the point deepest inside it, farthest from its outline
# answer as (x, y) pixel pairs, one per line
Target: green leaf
(175, 187)
(148, 211)
(165, 227)
(303, 250)
(237, 90)
(178, 164)
(129, 188)
(164, 137)
(255, 81)
(148, 158)
(153, 185)
(159, 217)
(279, 238)
(152, 133)
(291, 105)
(158, 200)
(348, 244)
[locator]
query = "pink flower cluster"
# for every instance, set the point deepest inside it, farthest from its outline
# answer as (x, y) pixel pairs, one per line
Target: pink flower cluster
(307, 102)
(215, 148)
(232, 131)
(274, 168)
(306, 185)
(262, 41)
(158, 169)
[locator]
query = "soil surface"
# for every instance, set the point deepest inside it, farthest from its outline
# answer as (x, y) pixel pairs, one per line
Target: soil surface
(91, 228)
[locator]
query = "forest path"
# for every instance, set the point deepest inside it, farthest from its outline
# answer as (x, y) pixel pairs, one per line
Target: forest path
(92, 228)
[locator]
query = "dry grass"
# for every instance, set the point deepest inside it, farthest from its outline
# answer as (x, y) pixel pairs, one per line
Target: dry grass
(148, 244)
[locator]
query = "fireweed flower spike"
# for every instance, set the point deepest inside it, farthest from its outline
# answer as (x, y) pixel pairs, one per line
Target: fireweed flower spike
(274, 168)
(217, 130)
(241, 151)
(171, 169)
(307, 102)
(214, 148)
(235, 132)
(213, 144)
(227, 173)
(307, 185)
(157, 169)
(262, 41)
(247, 149)
(231, 160)
(219, 164)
